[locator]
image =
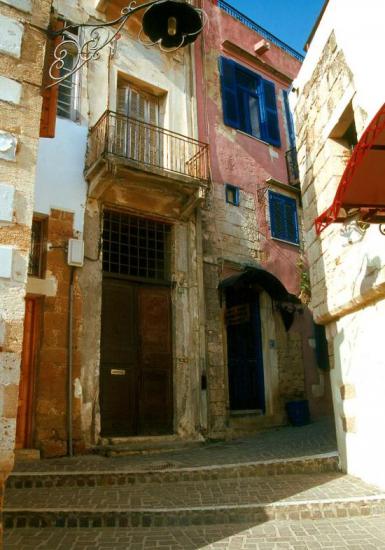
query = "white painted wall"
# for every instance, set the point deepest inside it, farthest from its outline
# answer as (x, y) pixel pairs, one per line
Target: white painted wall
(359, 360)
(359, 29)
(59, 175)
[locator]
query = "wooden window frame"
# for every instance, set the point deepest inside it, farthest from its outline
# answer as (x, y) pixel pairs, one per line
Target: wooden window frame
(232, 191)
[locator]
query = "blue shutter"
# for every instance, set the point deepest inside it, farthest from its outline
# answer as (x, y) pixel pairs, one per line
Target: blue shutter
(289, 120)
(283, 217)
(229, 92)
(269, 113)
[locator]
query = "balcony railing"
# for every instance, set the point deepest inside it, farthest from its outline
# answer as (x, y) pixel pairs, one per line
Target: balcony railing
(292, 166)
(147, 146)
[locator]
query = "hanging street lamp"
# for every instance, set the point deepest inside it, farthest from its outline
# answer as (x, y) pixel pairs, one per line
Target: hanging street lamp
(169, 24)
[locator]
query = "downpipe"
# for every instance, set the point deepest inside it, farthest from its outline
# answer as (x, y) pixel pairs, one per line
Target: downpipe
(70, 362)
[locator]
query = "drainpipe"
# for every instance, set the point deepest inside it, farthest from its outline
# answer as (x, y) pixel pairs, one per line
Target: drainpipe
(69, 361)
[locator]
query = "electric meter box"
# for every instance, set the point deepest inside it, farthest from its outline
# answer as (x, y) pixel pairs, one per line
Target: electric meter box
(75, 255)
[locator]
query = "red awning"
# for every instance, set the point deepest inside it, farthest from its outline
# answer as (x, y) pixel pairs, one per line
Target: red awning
(362, 187)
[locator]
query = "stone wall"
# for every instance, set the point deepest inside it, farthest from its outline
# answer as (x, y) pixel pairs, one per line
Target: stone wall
(22, 46)
(322, 158)
(347, 264)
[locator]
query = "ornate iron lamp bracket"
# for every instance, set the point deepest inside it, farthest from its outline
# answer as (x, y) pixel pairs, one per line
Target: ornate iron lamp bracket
(84, 49)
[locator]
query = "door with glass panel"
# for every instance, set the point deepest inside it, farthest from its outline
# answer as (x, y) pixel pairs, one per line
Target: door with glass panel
(137, 134)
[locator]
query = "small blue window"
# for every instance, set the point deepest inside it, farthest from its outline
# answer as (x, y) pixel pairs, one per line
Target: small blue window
(283, 217)
(232, 194)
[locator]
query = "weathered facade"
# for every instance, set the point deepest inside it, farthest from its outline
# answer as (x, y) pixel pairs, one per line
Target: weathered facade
(136, 341)
(337, 93)
(22, 44)
(252, 221)
(124, 174)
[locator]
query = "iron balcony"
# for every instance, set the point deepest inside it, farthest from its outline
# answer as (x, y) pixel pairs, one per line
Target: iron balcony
(146, 147)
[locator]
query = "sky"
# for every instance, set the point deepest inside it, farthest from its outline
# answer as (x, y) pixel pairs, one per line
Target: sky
(289, 20)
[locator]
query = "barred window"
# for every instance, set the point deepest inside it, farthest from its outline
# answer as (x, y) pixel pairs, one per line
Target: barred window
(37, 256)
(136, 247)
(68, 96)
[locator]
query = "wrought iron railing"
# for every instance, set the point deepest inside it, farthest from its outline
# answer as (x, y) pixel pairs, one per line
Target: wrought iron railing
(292, 166)
(260, 30)
(147, 145)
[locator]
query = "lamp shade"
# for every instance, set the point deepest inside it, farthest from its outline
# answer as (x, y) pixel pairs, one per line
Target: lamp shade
(174, 24)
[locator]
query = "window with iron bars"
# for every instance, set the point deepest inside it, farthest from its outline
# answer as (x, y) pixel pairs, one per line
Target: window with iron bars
(136, 247)
(69, 90)
(37, 251)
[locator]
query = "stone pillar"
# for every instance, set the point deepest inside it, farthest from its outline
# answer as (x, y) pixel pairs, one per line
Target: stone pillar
(22, 46)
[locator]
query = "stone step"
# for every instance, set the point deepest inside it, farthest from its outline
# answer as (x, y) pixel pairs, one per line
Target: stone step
(243, 500)
(342, 533)
(132, 446)
(250, 514)
(169, 473)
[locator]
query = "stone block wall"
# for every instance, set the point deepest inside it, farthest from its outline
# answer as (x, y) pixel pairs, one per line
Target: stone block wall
(52, 391)
(290, 364)
(234, 237)
(22, 46)
(332, 256)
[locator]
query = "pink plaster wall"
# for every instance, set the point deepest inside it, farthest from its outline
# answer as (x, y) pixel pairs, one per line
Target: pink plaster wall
(237, 158)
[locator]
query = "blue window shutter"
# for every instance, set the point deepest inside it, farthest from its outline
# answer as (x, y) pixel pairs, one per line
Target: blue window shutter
(229, 92)
(291, 220)
(283, 217)
(289, 120)
(269, 113)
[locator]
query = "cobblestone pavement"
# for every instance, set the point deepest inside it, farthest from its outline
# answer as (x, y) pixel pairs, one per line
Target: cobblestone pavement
(336, 534)
(246, 491)
(285, 442)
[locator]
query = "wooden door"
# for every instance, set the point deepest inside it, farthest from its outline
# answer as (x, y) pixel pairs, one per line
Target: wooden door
(136, 360)
(31, 338)
(155, 392)
(119, 356)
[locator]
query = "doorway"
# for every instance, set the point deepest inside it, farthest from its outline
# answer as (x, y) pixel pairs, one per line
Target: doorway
(244, 350)
(136, 367)
(31, 340)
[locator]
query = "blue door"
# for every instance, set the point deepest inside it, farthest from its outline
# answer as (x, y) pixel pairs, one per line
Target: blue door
(244, 350)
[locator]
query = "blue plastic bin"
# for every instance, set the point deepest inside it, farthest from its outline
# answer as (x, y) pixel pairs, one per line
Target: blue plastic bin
(298, 412)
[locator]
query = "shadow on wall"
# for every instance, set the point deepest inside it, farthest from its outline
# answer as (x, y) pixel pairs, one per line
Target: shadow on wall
(372, 268)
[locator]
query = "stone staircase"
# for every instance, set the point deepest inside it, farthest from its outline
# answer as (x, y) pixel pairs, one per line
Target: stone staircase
(282, 484)
(244, 493)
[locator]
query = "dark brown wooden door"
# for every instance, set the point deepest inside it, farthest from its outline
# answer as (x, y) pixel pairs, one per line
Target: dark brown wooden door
(136, 360)
(155, 392)
(31, 338)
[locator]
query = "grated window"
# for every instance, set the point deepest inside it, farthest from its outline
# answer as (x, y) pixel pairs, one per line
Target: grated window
(136, 247)
(68, 98)
(36, 263)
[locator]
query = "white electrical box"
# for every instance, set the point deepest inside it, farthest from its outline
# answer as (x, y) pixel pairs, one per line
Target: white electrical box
(75, 254)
